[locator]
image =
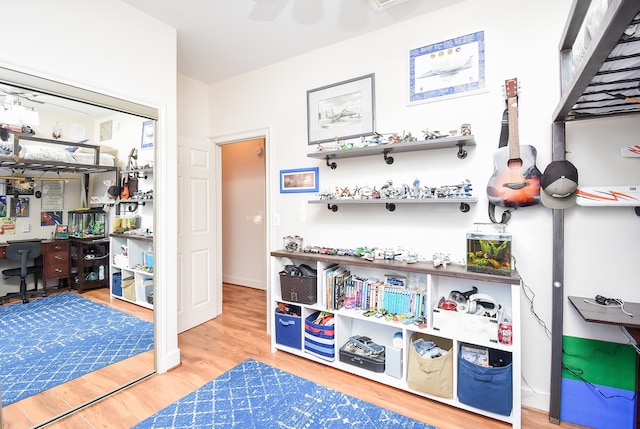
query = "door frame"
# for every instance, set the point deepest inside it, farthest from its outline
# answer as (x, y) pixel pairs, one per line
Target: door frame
(219, 141)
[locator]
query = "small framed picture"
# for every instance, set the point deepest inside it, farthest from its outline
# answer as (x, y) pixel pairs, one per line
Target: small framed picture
(19, 207)
(299, 180)
(62, 232)
(148, 134)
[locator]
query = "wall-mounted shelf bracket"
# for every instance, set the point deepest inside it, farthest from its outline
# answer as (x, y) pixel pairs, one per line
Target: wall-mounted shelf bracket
(462, 154)
(333, 165)
(387, 159)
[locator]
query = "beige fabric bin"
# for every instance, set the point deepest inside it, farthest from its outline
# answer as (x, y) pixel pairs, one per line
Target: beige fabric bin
(129, 288)
(432, 376)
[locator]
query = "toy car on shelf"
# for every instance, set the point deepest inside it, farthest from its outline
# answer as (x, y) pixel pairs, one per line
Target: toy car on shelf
(366, 344)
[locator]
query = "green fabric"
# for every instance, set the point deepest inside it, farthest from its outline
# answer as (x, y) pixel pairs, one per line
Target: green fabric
(599, 362)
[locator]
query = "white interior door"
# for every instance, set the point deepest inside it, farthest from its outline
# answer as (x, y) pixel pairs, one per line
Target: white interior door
(199, 294)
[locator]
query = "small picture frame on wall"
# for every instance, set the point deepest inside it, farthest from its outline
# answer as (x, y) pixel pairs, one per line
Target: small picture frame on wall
(19, 207)
(148, 134)
(341, 110)
(299, 180)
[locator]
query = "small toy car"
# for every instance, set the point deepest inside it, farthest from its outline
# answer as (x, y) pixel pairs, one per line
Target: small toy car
(366, 344)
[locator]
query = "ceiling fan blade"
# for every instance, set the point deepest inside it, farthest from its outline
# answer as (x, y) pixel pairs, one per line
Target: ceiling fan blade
(22, 95)
(267, 10)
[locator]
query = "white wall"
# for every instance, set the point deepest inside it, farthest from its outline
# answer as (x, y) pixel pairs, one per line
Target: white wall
(110, 47)
(521, 41)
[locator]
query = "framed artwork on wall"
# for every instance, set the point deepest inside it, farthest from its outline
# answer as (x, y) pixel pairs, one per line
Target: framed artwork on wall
(148, 134)
(19, 186)
(299, 180)
(447, 69)
(19, 207)
(341, 110)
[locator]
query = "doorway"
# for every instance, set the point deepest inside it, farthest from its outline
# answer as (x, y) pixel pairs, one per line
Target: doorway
(243, 184)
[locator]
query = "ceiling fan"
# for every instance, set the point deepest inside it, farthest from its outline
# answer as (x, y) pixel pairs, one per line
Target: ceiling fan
(19, 97)
(266, 10)
(379, 5)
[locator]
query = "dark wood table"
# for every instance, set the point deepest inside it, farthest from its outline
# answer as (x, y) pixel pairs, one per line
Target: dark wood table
(613, 315)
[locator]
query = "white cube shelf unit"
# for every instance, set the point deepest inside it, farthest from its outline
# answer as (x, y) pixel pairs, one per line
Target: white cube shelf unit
(451, 330)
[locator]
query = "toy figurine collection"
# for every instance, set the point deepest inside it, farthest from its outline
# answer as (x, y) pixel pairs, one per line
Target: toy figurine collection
(404, 191)
(392, 139)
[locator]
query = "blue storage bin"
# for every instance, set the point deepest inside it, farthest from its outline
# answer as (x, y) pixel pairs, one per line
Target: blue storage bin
(289, 329)
(319, 340)
(323, 351)
(487, 388)
(116, 284)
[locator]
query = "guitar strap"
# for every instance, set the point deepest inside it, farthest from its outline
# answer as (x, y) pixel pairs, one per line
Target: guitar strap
(502, 142)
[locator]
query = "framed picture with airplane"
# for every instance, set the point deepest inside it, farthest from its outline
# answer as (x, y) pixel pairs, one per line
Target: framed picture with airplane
(447, 69)
(19, 186)
(341, 111)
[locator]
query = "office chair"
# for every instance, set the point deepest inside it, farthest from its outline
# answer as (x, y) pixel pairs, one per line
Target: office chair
(23, 252)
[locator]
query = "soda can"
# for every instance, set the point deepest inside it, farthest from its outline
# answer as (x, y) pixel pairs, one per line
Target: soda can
(505, 332)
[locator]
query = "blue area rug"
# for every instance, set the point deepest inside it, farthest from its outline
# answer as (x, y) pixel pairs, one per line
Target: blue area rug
(256, 395)
(52, 340)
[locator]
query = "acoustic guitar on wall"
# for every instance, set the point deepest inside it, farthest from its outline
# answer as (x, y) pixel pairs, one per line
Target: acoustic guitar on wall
(516, 179)
(125, 193)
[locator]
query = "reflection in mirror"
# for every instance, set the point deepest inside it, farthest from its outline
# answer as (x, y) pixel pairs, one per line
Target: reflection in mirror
(77, 179)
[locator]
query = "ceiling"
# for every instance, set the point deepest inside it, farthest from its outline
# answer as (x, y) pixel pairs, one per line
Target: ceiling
(219, 39)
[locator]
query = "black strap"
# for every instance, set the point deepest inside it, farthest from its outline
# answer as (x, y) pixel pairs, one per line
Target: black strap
(502, 142)
(504, 131)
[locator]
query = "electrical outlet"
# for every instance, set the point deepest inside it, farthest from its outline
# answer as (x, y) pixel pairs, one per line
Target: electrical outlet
(26, 227)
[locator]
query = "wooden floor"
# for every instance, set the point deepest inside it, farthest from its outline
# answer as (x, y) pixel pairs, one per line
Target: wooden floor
(214, 347)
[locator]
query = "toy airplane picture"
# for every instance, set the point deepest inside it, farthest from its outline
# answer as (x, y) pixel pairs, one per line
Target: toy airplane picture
(344, 113)
(448, 69)
(630, 151)
(609, 196)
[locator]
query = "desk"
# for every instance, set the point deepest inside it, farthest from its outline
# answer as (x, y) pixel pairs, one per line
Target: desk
(54, 258)
(613, 316)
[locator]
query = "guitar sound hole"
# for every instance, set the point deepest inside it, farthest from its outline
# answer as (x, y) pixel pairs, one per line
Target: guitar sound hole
(515, 163)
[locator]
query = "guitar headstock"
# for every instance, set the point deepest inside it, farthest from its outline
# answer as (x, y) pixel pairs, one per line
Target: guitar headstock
(511, 87)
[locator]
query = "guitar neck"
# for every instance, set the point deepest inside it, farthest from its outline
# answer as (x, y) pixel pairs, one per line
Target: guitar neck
(514, 139)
